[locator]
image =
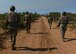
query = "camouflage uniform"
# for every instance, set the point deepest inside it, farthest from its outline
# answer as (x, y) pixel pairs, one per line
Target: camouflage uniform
(63, 21)
(12, 20)
(50, 21)
(27, 22)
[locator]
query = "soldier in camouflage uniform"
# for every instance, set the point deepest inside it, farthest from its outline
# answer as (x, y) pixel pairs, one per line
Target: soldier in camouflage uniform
(50, 19)
(27, 22)
(12, 23)
(63, 22)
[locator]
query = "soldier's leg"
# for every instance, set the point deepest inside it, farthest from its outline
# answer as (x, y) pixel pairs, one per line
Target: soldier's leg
(63, 33)
(15, 34)
(50, 25)
(10, 33)
(14, 39)
(28, 29)
(25, 25)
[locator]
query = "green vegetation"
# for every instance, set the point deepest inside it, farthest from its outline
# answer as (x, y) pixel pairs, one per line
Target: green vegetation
(34, 17)
(72, 17)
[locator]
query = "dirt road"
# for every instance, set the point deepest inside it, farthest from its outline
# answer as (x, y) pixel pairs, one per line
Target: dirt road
(42, 40)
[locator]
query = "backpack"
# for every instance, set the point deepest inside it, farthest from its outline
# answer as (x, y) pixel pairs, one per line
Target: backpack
(12, 20)
(13, 17)
(64, 22)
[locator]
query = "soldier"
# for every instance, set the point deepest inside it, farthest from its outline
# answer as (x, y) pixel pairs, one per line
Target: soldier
(50, 19)
(12, 21)
(27, 22)
(63, 21)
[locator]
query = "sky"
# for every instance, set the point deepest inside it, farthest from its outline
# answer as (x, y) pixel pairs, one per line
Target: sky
(39, 6)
